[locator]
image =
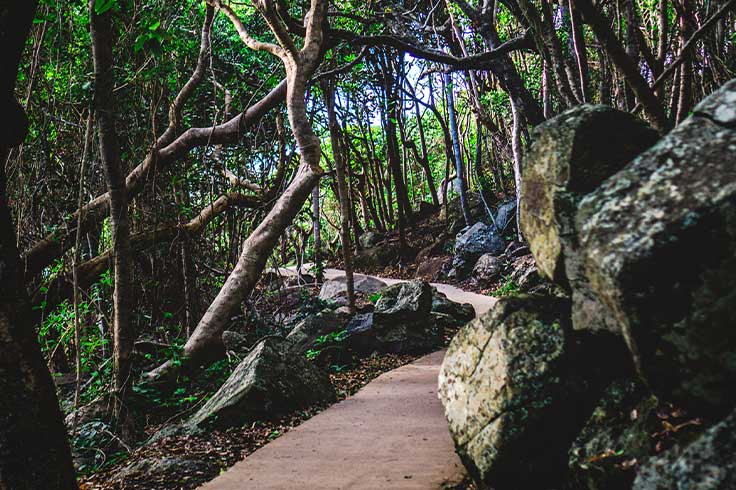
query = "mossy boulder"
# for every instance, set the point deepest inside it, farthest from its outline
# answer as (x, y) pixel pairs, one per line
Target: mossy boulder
(304, 333)
(516, 388)
(708, 463)
(569, 157)
(616, 438)
(402, 319)
(271, 381)
(658, 242)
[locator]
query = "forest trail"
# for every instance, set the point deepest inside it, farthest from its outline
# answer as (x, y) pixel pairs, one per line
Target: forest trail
(391, 434)
(480, 302)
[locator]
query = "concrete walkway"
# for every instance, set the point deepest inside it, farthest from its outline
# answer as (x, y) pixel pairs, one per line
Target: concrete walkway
(392, 434)
(480, 302)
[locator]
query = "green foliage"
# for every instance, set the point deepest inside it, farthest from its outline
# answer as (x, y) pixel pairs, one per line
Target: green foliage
(323, 340)
(508, 288)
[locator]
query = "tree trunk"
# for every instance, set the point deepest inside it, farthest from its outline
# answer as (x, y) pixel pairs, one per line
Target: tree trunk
(462, 188)
(123, 336)
(328, 89)
(34, 453)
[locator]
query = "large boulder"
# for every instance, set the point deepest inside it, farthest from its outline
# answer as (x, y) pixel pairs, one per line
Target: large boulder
(336, 289)
(472, 242)
(569, 157)
(709, 463)
(516, 390)
(658, 242)
(616, 438)
(271, 381)
(461, 313)
(304, 333)
(380, 255)
(402, 318)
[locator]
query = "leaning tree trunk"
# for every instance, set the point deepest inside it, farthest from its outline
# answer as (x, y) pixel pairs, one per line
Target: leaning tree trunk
(205, 343)
(123, 336)
(34, 453)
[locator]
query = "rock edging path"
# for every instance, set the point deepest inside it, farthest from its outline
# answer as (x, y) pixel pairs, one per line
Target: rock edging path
(391, 434)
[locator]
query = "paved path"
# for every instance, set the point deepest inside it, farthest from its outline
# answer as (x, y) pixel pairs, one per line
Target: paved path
(391, 435)
(480, 302)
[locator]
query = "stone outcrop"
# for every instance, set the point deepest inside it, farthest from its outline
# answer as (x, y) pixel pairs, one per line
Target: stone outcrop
(473, 242)
(402, 319)
(616, 438)
(271, 381)
(336, 289)
(569, 157)
(514, 388)
(658, 242)
(709, 463)
(505, 214)
(304, 333)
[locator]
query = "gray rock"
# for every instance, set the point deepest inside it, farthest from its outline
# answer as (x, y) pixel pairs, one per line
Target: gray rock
(658, 242)
(709, 463)
(617, 436)
(501, 380)
(370, 239)
(471, 243)
(477, 240)
(154, 469)
(402, 318)
(336, 289)
(235, 341)
(303, 335)
(517, 385)
(487, 269)
(361, 336)
(459, 313)
(570, 155)
(505, 214)
(269, 382)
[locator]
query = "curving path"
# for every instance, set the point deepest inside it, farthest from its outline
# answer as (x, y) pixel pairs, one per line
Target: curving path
(392, 434)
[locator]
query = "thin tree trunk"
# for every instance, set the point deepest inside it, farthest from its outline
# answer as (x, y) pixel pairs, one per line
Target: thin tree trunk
(328, 89)
(101, 31)
(462, 187)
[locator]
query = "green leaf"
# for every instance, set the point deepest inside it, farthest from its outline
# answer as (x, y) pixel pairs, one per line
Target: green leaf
(102, 6)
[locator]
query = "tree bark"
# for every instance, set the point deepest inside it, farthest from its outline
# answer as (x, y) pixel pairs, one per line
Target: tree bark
(34, 452)
(205, 343)
(101, 32)
(459, 170)
(328, 90)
